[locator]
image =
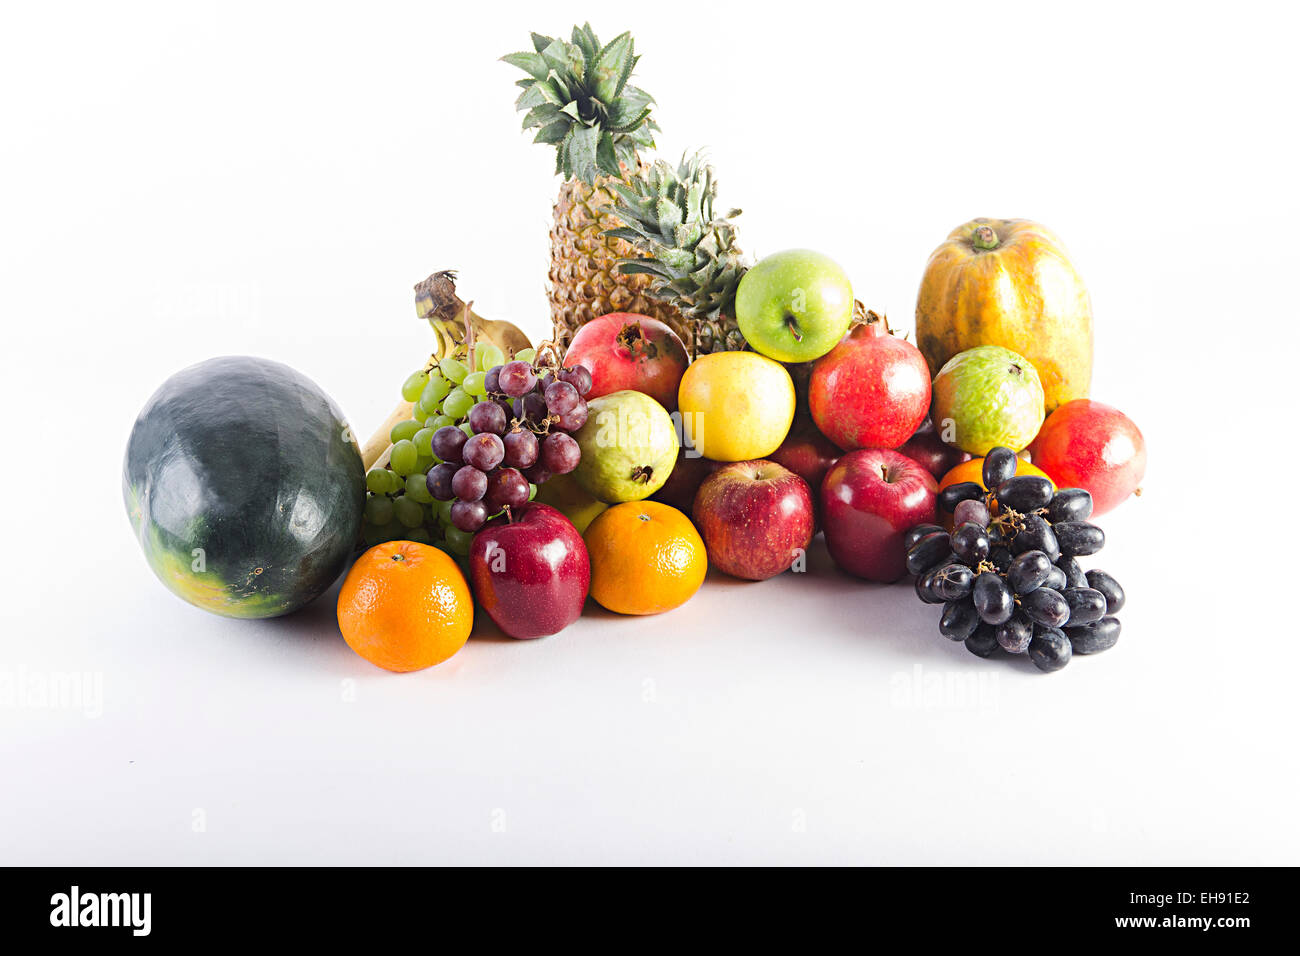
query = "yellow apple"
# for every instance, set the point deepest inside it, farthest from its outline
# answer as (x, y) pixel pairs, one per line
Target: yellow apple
(736, 405)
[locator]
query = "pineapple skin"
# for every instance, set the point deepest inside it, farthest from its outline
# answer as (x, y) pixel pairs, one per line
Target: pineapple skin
(585, 280)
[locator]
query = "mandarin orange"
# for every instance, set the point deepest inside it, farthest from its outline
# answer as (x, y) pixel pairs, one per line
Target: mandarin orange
(646, 558)
(405, 606)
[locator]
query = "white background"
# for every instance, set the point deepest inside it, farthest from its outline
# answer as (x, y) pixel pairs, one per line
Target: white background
(187, 180)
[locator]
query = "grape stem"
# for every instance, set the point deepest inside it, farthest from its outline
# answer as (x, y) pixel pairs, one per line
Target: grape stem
(1008, 518)
(549, 356)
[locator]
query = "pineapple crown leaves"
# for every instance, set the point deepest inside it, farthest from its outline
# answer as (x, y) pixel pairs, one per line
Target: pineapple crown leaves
(668, 215)
(578, 98)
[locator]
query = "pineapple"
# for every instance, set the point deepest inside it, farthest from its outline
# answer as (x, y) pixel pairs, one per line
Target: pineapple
(585, 279)
(578, 98)
(691, 255)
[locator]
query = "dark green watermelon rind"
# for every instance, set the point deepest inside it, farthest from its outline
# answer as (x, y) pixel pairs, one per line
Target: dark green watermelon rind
(245, 487)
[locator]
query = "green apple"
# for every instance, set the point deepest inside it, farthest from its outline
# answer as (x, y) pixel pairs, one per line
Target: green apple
(794, 305)
(986, 397)
(629, 447)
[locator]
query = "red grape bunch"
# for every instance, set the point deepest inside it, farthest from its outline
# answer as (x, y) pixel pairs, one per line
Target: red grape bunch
(521, 436)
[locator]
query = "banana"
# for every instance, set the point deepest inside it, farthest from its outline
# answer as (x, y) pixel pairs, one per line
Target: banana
(436, 300)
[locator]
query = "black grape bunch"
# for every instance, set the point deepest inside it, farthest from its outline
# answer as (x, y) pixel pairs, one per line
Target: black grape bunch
(1008, 576)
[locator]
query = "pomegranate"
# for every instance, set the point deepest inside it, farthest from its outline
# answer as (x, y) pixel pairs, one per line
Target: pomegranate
(623, 350)
(1086, 444)
(871, 391)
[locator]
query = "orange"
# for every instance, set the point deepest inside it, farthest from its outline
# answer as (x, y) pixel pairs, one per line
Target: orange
(405, 606)
(973, 471)
(646, 558)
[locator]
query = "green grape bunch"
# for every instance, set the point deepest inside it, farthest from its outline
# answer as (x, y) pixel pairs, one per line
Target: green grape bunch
(399, 502)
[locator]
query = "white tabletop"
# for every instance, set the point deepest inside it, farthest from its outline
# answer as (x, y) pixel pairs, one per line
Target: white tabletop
(258, 181)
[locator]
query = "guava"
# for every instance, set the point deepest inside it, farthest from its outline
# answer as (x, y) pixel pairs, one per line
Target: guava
(985, 397)
(629, 447)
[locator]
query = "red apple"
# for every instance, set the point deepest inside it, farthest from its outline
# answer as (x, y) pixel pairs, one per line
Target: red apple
(624, 350)
(870, 391)
(928, 449)
(869, 499)
(1085, 444)
(687, 476)
(809, 454)
(755, 518)
(530, 571)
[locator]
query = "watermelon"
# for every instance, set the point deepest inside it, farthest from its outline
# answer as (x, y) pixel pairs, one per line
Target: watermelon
(244, 486)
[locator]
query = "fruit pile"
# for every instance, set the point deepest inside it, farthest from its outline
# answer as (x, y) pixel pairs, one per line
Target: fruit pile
(1007, 575)
(692, 409)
